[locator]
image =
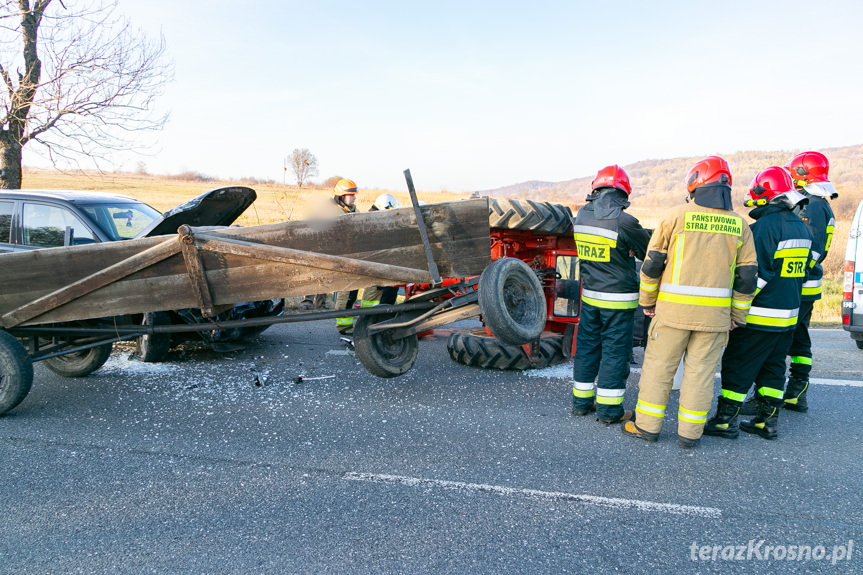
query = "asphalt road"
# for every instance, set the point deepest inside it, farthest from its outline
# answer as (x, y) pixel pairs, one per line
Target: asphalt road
(223, 464)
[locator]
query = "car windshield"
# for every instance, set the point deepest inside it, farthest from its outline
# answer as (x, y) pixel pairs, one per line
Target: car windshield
(121, 221)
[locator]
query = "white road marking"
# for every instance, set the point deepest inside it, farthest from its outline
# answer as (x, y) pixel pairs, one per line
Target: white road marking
(845, 382)
(564, 371)
(613, 502)
(340, 352)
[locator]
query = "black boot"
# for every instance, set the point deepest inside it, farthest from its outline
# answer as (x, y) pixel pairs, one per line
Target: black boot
(750, 406)
(765, 423)
(724, 423)
(795, 395)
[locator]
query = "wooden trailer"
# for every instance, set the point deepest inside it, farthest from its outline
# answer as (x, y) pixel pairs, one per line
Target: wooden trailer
(68, 305)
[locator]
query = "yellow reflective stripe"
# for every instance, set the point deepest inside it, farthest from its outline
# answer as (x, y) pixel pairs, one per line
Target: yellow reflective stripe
(678, 256)
(791, 253)
(648, 287)
(609, 304)
(582, 393)
(692, 416)
(605, 400)
(801, 359)
(695, 300)
(733, 395)
(741, 304)
(770, 321)
(770, 392)
(650, 408)
(344, 320)
(369, 303)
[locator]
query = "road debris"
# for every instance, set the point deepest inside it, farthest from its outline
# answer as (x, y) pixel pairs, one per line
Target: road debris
(301, 379)
(259, 377)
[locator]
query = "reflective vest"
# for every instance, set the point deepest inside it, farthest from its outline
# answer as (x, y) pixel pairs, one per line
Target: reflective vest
(608, 276)
(700, 269)
(783, 244)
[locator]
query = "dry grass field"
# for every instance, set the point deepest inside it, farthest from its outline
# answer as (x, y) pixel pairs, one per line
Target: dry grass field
(277, 202)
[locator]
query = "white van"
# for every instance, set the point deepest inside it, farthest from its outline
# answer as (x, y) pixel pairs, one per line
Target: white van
(852, 284)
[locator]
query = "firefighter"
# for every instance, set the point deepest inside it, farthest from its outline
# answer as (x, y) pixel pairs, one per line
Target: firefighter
(376, 295)
(344, 200)
(607, 238)
(809, 172)
(756, 352)
(697, 283)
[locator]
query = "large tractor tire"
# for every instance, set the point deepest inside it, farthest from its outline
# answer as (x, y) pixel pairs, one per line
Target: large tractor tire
(154, 347)
(512, 301)
(380, 353)
(477, 348)
(79, 363)
(16, 372)
(542, 217)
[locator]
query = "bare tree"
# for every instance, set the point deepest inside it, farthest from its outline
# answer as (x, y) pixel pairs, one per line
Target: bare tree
(304, 165)
(83, 85)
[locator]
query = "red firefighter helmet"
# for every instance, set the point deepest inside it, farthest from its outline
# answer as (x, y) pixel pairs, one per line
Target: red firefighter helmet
(809, 168)
(707, 171)
(612, 177)
(769, 184)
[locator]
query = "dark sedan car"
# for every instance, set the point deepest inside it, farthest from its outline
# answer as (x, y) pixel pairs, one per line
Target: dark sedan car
(36, 219)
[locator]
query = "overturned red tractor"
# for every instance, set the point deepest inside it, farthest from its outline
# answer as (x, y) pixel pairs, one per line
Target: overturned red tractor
(539, 234)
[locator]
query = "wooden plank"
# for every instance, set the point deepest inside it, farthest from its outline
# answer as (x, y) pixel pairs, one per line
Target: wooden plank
(319, 261)
(197, 273)
(457, 231)
(91, 283)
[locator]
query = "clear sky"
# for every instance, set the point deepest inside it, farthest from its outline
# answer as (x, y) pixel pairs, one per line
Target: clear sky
(476, 95)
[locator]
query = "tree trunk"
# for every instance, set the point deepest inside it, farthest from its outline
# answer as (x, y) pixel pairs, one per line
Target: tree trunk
(10, 162)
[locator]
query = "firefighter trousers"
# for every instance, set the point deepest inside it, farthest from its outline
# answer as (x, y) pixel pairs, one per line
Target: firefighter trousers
(801, 347)
(603, 347)
(754, 356)
(700, 351)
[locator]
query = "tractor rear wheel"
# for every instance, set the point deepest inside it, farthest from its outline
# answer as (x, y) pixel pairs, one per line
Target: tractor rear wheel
(476, 348)
(542, 217)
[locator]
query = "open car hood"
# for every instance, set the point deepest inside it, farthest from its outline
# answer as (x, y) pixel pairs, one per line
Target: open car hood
(219, 207)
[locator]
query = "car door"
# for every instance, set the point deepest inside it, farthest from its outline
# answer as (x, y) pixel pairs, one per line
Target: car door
(46, 225)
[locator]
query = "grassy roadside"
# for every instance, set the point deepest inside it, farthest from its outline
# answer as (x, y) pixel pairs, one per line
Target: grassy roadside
(828, 310)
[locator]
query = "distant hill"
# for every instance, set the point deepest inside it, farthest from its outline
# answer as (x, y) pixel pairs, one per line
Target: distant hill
(660, 183)
(517, 189)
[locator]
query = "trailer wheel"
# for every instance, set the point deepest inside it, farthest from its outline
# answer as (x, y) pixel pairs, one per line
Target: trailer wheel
(543, 217)
(16, 372)
(474, 347)
(153, 348)
(859, 343)
(511, 301)
(380, 353)
(80, 363)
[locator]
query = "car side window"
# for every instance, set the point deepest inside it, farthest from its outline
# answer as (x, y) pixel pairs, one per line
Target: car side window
(6, 222)
(45, 226)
